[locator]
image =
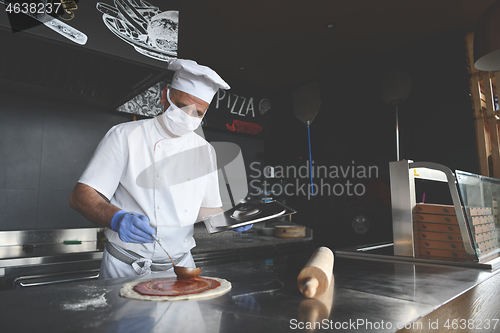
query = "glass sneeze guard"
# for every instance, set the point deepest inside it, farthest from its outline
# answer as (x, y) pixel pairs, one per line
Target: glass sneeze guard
(480, 196)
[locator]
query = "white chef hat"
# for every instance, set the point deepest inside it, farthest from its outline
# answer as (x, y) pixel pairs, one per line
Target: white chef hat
(197, 80)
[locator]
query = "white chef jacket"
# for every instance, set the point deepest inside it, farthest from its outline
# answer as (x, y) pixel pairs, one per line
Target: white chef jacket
(121, 169)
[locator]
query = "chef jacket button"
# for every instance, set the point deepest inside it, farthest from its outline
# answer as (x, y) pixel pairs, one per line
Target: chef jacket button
(185, 210)
(185, 240)
(189, 178)
(159, 176)
(158, 207)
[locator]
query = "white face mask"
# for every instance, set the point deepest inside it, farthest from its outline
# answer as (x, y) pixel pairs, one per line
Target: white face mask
(177, 121)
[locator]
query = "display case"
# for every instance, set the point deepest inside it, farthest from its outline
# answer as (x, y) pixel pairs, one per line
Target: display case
(463, 231)
(466, 230)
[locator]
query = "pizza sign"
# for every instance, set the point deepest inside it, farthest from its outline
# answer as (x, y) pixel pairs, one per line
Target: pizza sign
(239, 113)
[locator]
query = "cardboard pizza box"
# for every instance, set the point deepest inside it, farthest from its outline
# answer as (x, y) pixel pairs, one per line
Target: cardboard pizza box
(435, 209)
(486, 236)
(436, 227)
(451, 237)
(432, 244)
(479, 229)
(488, 245)
(478, 211)
(435, 218)
(484, 219)
(450, 210)
(455, 246)
(439, 253)
(492, 243)
(436, 253)
(440, 236)
(448, 219)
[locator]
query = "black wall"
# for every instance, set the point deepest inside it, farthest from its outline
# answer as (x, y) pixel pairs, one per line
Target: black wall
(44, 148)
(354, 124)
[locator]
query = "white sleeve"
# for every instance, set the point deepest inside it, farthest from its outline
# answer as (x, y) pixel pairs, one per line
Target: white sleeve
(105, 169)
(212, 195)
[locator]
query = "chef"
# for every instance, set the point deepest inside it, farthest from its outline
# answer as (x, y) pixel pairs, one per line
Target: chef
(154, 177)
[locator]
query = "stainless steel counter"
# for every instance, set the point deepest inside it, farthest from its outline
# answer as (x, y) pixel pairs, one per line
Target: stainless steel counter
(365, 295)
(40, 263)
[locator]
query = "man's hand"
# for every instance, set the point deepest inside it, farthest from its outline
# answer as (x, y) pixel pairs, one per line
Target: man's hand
(92, 205)
(244, 228)
(132, 228)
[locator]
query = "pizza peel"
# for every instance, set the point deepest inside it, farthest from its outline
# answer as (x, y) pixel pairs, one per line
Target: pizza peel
(245, 213)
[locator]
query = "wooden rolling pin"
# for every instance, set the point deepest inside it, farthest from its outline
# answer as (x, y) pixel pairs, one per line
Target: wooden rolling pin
(314, 279)
(317, 309)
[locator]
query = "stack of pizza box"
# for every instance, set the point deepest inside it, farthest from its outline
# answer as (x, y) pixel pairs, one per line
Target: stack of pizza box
(437, 234)
(495, 212)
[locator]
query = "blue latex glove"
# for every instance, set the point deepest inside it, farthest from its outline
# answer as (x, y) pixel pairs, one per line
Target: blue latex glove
(132, 228)
(244, 228)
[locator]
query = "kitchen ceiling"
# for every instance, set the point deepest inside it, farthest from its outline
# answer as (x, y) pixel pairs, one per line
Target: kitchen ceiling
(273, 45)
(285, 43)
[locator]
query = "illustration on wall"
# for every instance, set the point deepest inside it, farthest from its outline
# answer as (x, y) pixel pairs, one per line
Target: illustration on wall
(244, 127)
(240, 113)
(152, 32)
(41, 10)
(147, 103)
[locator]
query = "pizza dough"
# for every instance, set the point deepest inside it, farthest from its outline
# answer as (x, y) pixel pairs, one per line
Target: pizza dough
(127, 290)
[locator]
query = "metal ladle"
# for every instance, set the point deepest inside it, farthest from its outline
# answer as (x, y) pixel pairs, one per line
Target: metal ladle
(183, 273)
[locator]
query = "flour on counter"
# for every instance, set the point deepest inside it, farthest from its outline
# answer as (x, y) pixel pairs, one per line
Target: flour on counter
(97, 302)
